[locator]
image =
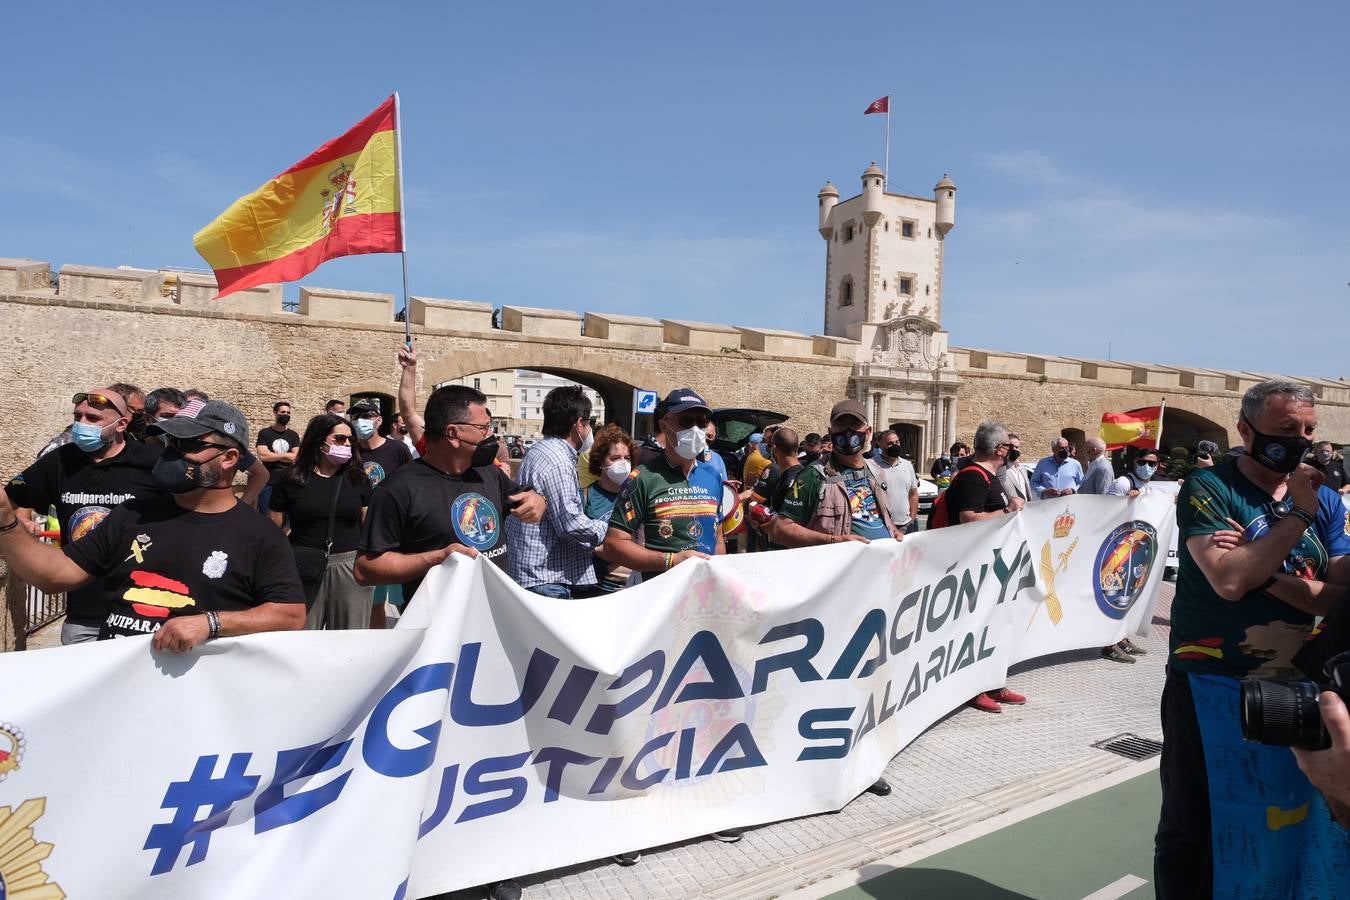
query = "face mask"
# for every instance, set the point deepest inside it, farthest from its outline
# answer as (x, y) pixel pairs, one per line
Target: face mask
(848, 443)
(1014, 454)
(619, 470)
(1143, 471)
(88, 437)
(809, 457)
(175, 474)
(1324, 458)
(364, 429)
(136, 428)
(1279, 454)
(284, 419)
(588, 442)
(485, 454)
(892, 452)
(1061, 454)
(691, 442)
(338, 454)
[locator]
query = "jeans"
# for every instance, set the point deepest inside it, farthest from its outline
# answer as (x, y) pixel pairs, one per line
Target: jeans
(71, 633)
(1183, 856)
(560, 591)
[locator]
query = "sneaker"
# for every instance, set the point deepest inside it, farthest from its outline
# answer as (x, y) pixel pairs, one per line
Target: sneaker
(1132, 648)
(503, 890)
(1003, 695)
(1116, 653)
(728, 835)
(627, 859)
(881, 787)
(985, 703)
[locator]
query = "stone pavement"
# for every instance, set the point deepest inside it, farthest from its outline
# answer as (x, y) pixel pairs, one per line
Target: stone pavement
(967, 767)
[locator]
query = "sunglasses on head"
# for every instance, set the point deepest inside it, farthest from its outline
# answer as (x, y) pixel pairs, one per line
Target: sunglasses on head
(189, 445)
(98, 401)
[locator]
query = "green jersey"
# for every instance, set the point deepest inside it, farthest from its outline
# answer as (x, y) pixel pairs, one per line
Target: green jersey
(671, 513)
(1257, 635)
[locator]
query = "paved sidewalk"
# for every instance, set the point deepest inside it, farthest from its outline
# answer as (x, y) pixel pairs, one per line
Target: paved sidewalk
(968, 767)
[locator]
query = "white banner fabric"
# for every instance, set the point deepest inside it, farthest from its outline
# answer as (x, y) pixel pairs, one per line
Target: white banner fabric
(496, 732)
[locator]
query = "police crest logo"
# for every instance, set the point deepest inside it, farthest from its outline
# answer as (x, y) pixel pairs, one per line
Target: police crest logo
(21, 855)
(1122, 567)
(475, 520)
(215, 564)
(12, 745)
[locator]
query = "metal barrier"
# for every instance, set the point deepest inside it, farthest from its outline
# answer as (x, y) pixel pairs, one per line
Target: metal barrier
(42, 609)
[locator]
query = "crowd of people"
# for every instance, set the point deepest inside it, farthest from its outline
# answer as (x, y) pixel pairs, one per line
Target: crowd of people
(333, 524)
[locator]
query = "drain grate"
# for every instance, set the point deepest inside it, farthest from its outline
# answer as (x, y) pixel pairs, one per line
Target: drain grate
(1131, 746)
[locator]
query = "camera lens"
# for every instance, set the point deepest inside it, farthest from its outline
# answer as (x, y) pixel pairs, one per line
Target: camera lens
(1283, 714)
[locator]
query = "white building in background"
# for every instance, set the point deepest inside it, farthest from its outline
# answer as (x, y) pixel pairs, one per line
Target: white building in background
(883, 289)
(531, 388)
(500, 389)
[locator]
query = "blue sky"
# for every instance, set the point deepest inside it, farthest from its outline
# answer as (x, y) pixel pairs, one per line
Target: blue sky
(1168, 178)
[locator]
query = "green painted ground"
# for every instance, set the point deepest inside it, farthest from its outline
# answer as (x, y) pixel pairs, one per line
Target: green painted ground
(1066, 853)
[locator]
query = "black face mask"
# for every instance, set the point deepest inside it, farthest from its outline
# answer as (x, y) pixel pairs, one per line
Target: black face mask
(485, 454)
(1014, 454)
(892, 452)
(174, 473)
(136, 427)
(1279, 454)
(1061, 455)
(284, 419)
(848, 443)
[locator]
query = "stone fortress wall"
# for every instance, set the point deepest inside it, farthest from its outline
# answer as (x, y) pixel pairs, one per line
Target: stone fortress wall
(156, 328)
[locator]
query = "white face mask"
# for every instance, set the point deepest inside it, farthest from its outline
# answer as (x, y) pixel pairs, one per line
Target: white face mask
(588, 441)
(691, 442)
(618, 470)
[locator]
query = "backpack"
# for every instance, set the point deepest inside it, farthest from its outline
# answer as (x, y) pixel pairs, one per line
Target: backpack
(940, 516)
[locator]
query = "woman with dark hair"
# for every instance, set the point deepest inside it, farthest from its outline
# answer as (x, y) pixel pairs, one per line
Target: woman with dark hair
(325, 494)
(611, 463)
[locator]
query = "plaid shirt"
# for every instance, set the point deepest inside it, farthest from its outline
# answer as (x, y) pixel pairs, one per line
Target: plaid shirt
(557, 550)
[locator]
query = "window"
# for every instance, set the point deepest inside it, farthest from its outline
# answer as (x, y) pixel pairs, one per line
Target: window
(478, 384)
(907, 286)
(494, 382)
(846, 292)
(524, 395)
(848, 232)
(907, 229)
(888, 226)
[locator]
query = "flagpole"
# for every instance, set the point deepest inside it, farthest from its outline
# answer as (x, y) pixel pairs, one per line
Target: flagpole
(402, 221)
(1162, 411)
(886, 175)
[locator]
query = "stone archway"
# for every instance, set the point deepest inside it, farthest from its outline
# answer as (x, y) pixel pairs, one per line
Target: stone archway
(1183, 428)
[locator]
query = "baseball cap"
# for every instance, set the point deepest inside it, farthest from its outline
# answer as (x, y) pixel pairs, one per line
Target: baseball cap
(679, 400)
(850, 408)
(363, 406)
(757, 438)
(197, 418)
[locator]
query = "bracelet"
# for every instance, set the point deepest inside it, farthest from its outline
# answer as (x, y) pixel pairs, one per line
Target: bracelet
(670, 559)
(212, 625)
(1308, 518)
(11, 526)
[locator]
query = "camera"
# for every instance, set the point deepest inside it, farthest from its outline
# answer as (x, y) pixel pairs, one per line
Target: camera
(1285, 713)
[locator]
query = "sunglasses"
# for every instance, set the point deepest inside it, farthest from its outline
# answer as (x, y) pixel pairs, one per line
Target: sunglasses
(189, 445)
(340, 438)
(689, 420)
(98, 401)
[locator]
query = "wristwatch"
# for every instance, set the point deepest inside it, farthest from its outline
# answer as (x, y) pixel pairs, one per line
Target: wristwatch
(1281, 509)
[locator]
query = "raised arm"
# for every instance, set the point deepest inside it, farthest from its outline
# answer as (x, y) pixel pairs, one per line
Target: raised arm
(407, 393)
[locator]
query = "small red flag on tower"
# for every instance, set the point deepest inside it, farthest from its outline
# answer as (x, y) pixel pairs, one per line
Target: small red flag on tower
(880, 105)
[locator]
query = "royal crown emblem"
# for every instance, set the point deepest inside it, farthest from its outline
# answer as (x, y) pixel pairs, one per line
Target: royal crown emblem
(340, 200)
(1064, 524)
(12, 745)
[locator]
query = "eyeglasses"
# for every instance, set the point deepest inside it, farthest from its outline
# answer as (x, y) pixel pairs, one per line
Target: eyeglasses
(483, 427)
(189, 445)
(98, 401)
(340, 438)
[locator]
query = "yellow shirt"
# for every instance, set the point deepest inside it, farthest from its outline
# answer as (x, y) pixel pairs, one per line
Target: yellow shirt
(584, 476)
(755, 464)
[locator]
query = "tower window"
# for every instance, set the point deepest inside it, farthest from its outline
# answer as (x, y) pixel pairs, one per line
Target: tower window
(848, 232)
(846, 292)
(907, 286)
(907, 229)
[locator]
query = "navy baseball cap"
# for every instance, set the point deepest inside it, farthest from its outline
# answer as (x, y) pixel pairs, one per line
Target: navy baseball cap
(679, 400)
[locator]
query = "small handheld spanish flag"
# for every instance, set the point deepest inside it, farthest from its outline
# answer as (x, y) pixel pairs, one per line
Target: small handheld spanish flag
(1136, 428)
(341, 200)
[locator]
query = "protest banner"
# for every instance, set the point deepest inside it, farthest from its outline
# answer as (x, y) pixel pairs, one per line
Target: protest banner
(496, 732)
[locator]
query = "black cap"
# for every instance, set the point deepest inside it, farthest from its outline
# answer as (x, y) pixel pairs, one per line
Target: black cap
(679, 400)
(212, 417)
(365, 405)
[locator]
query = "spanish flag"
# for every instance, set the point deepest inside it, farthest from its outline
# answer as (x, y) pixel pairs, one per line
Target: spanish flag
(341, 200)
(1136, 428)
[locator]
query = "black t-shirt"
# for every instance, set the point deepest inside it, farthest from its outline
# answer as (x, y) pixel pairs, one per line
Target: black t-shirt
(1333, 472)
(421, 508)
(310, 504)
(970, 491)
(278, 441)
(385, 460)
(85, 493)
(161, 561)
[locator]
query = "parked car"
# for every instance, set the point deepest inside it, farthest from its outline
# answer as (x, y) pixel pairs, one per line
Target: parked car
(734, 426)
(928, 492)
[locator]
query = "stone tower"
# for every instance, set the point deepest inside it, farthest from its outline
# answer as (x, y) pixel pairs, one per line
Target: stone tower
(883, 288)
